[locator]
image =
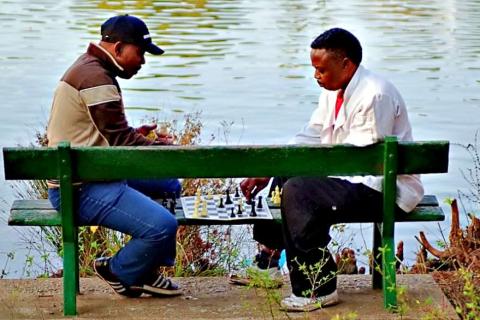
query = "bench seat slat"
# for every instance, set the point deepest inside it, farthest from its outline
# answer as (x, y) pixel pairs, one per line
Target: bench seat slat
(41, 213)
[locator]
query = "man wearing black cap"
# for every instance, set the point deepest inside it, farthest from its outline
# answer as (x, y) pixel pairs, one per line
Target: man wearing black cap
(88, 110)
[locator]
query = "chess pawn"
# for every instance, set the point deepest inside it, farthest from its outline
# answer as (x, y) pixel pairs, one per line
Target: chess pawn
(172, 207)
(253, 213)
(220, 205)
(204, 209)
(229, 200)
(237, 195)
(239, 211)
(232, 215)
(260, 204)
(195, 211)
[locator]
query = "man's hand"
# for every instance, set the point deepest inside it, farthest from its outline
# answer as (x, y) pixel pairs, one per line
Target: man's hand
(162, 138)
(146, 128)
(166, 139)
(251, 186)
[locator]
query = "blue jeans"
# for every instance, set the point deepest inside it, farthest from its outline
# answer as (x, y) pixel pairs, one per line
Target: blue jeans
(118, 206)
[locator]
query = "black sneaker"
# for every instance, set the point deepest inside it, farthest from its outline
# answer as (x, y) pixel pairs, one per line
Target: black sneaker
(102, 269)
(159, 285)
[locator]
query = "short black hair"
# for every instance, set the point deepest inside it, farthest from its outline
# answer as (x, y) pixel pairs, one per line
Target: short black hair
(340, 41)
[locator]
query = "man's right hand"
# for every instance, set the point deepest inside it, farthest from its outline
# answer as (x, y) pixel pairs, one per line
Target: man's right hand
(251, 186)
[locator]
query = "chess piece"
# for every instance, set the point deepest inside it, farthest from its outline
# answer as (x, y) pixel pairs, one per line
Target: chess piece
(237, 195)
(220, 205)
(172, 207)
(253, 213)
(239, 211)
(260, 204)
(232, 215)
(209, 195)
(198, 197)
(228, 200)
(276, 199)
(164, 199)
(195, 210)
(204, 209)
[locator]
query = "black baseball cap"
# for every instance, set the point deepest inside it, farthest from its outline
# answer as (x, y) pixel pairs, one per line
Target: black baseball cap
(129, 29)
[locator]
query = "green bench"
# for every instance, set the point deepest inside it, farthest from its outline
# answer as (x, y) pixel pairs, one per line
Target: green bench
(68, 164)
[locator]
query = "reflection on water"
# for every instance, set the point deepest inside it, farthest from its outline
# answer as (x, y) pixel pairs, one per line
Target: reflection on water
(247, 61)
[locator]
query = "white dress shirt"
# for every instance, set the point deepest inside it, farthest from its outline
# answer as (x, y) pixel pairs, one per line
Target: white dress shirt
(372, 109)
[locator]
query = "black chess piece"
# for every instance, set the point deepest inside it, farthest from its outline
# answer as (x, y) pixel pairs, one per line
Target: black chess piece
(172, 207)
(239, 211)
(237, 195)
(260, 204)
(220, 205)
(253, 213)
(229, 200)
(174, 199)
(232, 215)
(164, 199)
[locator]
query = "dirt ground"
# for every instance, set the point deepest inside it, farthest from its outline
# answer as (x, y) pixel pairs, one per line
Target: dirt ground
(215, 298)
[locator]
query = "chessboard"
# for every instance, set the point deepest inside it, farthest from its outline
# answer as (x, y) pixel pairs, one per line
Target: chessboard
(216, 207)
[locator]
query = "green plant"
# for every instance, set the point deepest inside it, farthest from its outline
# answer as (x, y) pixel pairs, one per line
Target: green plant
(265, 286)
(470, 308)
(352, 315)
(314, 272)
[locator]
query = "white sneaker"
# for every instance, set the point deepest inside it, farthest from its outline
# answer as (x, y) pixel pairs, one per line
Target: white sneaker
(294, 303)
(269, 278)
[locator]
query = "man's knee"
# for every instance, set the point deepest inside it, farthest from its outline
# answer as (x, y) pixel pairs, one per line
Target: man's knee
(293, 189)
(163, 227)
(170, 225)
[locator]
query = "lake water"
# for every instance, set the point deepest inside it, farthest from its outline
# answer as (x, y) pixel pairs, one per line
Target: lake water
(245, 65)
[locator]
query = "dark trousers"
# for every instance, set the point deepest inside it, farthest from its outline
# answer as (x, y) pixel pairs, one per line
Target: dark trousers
(309, 207)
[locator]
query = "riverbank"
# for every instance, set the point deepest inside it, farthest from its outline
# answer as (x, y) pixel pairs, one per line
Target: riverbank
(215, 298)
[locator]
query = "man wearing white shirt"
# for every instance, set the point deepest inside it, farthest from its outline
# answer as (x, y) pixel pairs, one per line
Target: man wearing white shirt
(356, 107)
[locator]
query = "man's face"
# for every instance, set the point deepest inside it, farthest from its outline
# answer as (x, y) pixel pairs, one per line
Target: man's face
(131, 58)
(332, 71)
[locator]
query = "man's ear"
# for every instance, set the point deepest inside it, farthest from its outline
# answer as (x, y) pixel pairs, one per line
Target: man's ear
(118, 48)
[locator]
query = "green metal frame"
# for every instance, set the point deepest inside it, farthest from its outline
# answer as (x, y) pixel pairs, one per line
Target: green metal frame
(69, 231)
(389, 159)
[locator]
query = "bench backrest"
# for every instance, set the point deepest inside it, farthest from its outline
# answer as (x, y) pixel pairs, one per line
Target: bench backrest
(113, 163)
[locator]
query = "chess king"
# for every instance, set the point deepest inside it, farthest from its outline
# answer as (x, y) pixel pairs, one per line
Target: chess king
(357, 107)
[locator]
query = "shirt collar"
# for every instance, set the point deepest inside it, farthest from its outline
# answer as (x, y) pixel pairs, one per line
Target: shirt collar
(105, 57)
(353, 82)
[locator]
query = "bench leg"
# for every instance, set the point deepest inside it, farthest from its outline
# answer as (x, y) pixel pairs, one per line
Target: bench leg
(69, 279)
(77, 263)
(376, 259)
(388, 267)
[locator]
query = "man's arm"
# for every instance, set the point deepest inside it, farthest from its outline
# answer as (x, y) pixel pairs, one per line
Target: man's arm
(105, 108)
(251, 186)
(311, 132)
